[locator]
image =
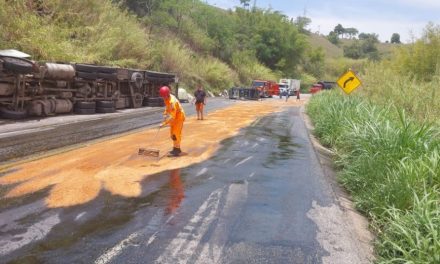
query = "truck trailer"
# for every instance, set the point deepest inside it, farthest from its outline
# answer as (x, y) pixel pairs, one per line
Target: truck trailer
(28, 88)
(291, 86)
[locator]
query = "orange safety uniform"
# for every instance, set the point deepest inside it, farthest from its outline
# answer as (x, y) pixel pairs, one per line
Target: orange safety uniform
(174, 117)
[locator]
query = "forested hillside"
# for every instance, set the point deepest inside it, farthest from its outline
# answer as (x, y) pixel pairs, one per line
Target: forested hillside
(218, 48)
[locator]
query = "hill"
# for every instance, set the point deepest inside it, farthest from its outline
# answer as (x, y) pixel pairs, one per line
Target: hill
(331, 50)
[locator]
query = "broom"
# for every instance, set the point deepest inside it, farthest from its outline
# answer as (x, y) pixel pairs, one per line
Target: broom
(150, 151)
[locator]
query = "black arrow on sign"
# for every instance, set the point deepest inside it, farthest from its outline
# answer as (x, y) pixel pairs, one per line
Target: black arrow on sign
(348, 80)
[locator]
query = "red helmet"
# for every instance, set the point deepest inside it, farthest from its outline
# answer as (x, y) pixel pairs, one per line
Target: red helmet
(164, 91)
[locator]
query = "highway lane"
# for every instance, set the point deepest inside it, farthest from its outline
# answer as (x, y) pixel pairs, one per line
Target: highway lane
(36, 136)
(259, 195)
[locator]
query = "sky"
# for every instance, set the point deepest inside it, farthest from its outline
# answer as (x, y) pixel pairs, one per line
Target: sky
(408, 18)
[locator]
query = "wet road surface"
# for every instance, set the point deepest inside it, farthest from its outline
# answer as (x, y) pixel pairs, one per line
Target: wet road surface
(261, 197)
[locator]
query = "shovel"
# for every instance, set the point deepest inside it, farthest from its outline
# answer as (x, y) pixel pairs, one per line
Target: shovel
(150, 151)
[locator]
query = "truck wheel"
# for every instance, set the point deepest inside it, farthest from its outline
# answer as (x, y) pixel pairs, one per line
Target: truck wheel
(17, 65)
(11, 114)
(105, 104)
(85, 105)
(103, 110)
(138, 98)
(84, 111)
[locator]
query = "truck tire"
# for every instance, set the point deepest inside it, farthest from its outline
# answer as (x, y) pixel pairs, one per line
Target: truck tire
(104, 110)
(11, 114)
(105, 104)
(138, 99)
(85, 105)
(137, 78)
(17, 65)
(85, 111)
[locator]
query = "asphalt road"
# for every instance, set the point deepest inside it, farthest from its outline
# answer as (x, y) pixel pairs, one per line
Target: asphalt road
(24, 138)
(262, 198)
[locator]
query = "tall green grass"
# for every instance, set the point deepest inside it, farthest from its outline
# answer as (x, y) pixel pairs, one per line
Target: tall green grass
(419, 99)
(74, 31)
(391, 164)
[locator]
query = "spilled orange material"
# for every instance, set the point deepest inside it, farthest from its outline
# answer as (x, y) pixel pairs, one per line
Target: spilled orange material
(77, 176)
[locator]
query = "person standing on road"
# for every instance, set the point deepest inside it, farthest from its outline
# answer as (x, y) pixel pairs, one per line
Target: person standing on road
(174, 116)
(200, 99)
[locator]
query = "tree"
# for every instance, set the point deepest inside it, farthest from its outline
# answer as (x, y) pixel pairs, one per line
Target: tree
(245, 3)
(395, 38)
(333, 38)
(339, 29)
(351, 32)
(354, 50)
(302, 22)
(374, 37)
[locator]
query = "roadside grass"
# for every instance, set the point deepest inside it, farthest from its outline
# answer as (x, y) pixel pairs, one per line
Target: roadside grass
(390, 163)
(420, 99)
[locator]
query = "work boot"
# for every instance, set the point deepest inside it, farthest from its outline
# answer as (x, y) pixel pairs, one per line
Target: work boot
(175, 152)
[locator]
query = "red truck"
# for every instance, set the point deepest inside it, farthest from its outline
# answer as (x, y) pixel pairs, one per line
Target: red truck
(266, 88)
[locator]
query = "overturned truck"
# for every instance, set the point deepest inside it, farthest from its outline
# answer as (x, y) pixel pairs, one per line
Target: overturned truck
(30, 89)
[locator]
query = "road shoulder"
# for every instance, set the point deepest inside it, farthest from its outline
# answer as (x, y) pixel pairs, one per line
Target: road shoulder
(356, 221)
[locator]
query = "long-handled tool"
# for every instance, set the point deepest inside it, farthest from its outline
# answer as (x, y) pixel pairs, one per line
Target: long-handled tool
(150, 151)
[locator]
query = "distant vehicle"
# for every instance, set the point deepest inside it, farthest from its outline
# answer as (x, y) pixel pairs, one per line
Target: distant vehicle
(290, 85)
(183, 95)
(322, 85)
(266, 88)
(243, 93)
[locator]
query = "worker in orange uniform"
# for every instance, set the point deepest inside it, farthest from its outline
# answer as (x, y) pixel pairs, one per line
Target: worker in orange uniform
(174, 116)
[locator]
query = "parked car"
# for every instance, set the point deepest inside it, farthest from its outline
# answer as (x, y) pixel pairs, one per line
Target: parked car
(315, 88)
(322, 85)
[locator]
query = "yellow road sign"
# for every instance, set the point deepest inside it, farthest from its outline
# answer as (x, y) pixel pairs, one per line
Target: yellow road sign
(349, 82)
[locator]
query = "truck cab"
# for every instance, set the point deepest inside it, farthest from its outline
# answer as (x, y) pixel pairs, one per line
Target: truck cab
(266, 88)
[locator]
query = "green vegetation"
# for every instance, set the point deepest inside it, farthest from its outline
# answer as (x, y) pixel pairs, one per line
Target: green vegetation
(391, 165)
(387, 140)
(80, 31)
(203, 44)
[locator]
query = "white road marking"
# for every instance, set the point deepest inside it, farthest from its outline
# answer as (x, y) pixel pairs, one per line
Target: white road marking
(181, 248)
(37, 231)
(80, 215)
(9, 219)
(226, 161)
(116, 250)
(243, 161)
(153, 225)
(254, 146)
(213, 250)
(202, 171)
(252, 175)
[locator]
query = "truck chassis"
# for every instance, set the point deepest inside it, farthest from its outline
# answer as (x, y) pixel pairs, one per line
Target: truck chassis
(30, 89)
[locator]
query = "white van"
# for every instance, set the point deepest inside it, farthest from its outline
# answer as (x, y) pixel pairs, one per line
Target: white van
(183, 95)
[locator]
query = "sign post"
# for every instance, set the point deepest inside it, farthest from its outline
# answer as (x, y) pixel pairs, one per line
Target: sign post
(349, 81)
